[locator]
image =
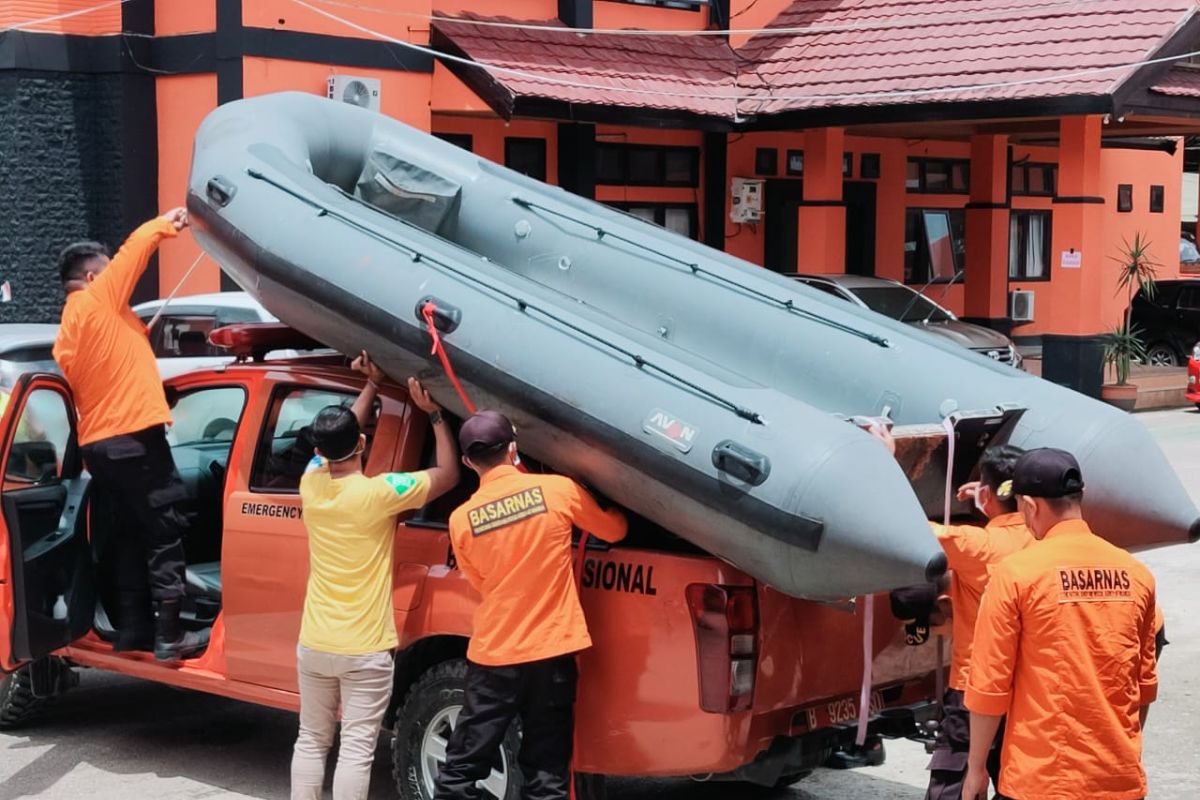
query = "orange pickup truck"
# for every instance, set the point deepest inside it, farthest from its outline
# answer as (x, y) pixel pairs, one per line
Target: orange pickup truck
(697, 670)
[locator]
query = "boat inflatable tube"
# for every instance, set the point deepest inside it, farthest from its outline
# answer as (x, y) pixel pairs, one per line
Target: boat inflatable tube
(700, 391)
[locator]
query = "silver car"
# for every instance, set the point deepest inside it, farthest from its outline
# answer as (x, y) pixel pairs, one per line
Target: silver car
(895, 300)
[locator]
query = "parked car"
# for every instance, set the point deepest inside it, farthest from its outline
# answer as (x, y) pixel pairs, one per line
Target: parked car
(894, 299)
(25, 347)
(1170, 321)
(180, 336)
(697, 668)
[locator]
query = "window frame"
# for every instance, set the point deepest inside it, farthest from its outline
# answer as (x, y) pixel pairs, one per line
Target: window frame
(660, 209)
(959, 258)
(1124, 198)
(1158, 198)
(178, 394)
(923, 162)
(64, 459)
(1050, 172)
(623, 151)
(512, 142)
(1016, 214)
(266, 433)
(796, 173)
(463, 141)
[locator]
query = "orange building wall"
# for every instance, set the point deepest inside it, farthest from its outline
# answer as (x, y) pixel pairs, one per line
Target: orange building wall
(183, 101)
(488, 137)
(101, 18)
(406, 20)
(516, 9)
(172, 17)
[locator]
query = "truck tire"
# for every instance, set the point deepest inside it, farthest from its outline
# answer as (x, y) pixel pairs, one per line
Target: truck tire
(423, 726)
(18, 703)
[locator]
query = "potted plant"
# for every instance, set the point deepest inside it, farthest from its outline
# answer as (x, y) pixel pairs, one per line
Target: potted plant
(1124, 345)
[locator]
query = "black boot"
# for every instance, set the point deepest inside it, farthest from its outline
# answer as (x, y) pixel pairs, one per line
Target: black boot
(171, 643)
(135, 623)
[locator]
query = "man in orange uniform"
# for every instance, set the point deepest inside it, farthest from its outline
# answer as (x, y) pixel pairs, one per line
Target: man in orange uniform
(104, 352)
(972, 553)
(1065, 646)
(512, 540)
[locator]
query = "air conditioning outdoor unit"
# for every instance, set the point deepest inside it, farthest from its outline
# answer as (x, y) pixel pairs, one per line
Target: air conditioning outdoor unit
(361, 92)
(1020, 305)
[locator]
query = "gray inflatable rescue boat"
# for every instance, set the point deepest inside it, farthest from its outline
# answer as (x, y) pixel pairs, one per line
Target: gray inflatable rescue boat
(702, 392)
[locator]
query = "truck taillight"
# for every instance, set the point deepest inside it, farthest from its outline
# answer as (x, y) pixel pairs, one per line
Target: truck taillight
(725, 619)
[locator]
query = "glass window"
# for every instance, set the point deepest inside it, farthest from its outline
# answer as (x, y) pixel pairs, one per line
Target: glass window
(206, 415)
(644, 165)
(1189, 299)
(1157, 199)
(679, 166)
(677, 218)
(610, 164)
(939, 175)
(526, 156)
(1125, 198)
(900, 302)
(1034, 179)
(795, 162)
(179, 336)
(912, 180)
(41, 438)
(935, 244)
(461, 140)
(287, 446)
(1029, 245)
(648, 165)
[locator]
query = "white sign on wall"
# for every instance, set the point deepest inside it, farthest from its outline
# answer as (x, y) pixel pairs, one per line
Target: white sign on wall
(1072, 259)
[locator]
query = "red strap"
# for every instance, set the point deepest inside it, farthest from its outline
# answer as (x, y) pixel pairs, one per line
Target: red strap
(428, 311)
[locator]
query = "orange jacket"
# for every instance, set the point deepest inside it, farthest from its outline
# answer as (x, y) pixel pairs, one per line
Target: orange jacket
(1065, 646)
(512, 540)
(972, 553)
(103, 350)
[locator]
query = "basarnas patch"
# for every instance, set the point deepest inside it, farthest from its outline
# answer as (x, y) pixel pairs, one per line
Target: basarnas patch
(506, 511)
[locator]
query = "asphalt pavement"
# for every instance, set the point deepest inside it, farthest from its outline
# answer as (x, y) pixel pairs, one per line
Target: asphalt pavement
(112, 738)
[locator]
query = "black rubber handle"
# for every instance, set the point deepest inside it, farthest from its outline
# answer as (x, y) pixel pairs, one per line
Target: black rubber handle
(221, 190)
(446, 317)
(741, 462)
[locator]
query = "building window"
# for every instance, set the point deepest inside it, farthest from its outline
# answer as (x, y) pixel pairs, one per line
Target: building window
(795, 162)
(682, 5)
(1125, 198)
(938, 176)
(464, 140)
(1029, 246)
(676, 217)
(526, 156)
(1038, 180)
(766, 161)
(847, 165)
(935, 243)
(868, 166)
(1157, 199)
(647, 165)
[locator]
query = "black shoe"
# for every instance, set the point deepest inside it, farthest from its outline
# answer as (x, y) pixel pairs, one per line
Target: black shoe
(171, 642)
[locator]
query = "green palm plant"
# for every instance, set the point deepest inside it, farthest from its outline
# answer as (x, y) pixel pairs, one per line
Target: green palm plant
(1124, 345)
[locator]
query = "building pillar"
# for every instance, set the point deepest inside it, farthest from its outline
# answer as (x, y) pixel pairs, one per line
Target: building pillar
(985, 276)
(577, 158)
(821, 226)
(1073, 342)
(716, 189)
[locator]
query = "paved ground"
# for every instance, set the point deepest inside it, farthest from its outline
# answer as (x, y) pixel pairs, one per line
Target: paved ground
(110, 740)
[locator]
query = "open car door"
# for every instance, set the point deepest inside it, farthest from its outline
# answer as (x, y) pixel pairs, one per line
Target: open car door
(47, 588)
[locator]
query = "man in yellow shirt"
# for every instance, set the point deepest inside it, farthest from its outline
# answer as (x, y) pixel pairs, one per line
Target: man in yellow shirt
(105, 355)
(348, 631)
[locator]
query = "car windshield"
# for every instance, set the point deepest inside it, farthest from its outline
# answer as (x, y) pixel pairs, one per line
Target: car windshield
(894, 301)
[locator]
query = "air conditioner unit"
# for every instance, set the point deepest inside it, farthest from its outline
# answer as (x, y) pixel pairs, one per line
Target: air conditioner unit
(747, 200)
(361, 92)
(1020, 306)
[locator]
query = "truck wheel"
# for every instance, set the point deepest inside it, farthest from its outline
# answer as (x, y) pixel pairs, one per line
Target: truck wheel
(422, 730)
(18, 703)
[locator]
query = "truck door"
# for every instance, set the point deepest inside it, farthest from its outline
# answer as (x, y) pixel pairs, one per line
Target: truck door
(47, 592)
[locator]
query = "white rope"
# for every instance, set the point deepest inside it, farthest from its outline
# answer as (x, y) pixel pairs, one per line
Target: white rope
(59, 17)
(862, 96)
(912, 21)
(175, 291)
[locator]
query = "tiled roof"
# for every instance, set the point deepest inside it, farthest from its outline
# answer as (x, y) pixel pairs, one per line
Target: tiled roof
(850, 53)
(1179, 82)
(951, 43)
(691, 74)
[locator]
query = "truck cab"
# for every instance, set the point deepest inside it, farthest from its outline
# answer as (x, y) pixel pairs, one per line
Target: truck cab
(697, 669)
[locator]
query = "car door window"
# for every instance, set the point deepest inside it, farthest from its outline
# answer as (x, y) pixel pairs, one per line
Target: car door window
(1189, 299)
(287, 446)
(185, 336)
(206, 416)
(42, 435)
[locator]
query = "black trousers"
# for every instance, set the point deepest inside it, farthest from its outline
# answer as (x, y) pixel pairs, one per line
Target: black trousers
(948, 767)
(542, 694)
(137, 476)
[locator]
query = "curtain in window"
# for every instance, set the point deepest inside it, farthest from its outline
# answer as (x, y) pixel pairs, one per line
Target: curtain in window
(1035, 246)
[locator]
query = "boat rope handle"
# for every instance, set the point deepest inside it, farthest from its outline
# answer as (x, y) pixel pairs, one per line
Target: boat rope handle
(696, 269)
(523, 305)
(427, 311)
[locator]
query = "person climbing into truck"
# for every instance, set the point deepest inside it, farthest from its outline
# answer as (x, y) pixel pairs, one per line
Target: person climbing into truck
(348, 631)
(1064, 645)
(104, 352)
(512, 539)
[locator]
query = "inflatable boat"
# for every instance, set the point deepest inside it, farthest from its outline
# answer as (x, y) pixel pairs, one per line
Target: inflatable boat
(701, 391)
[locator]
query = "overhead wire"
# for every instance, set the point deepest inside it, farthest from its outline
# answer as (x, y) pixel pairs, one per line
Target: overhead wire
(749, 96)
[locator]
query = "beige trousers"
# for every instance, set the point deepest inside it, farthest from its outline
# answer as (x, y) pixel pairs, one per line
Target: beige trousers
(361, 686)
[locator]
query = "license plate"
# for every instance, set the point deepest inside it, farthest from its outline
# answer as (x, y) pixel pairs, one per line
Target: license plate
(840, 711)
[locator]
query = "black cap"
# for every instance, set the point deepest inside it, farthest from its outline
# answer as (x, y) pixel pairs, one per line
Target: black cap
(484, 431)
(1047, 472)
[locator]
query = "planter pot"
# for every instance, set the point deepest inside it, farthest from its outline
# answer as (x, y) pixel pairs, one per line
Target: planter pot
(1123, 397)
